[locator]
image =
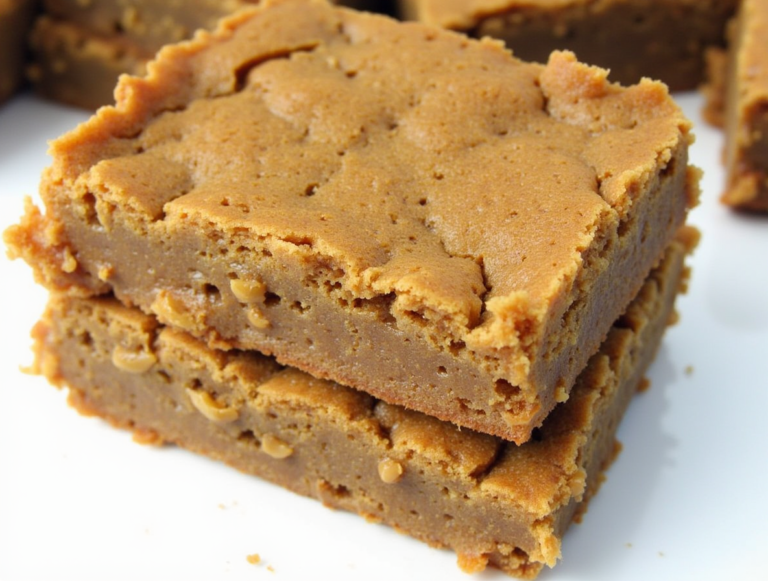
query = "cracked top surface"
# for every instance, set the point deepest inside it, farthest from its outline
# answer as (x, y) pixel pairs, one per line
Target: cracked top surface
(427, 165)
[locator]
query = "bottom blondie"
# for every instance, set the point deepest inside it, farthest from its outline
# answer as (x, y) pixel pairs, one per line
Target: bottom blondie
(492, 502)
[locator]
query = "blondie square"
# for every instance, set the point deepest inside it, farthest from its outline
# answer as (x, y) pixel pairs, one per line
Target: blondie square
(746, 109)
(392, 206)
(660, 39)
(492, 502)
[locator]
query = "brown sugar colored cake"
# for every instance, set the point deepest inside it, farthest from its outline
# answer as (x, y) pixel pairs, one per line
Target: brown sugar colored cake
(508, 506)
(660, 39)
(746, 109)
(392, 206)
(15, 20)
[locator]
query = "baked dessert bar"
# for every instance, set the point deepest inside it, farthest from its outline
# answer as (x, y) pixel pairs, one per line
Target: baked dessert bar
(73, 66)
(392, 206)
(746, 109)
(660, 39)
(492, 502)
(81, 48)
(15, 20)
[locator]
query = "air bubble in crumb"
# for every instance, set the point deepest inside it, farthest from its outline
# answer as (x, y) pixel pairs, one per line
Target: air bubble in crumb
(254, 559)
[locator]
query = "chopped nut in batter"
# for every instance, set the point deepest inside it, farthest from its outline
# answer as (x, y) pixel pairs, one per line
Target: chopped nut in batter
(210, 408)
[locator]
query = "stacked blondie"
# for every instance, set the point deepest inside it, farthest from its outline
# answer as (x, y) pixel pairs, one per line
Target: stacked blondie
(377, 263)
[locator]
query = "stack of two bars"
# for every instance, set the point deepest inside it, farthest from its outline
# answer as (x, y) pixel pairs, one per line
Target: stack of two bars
(464, 239)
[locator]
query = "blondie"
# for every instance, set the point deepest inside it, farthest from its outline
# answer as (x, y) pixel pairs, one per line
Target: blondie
(491, 501)
(391, 206)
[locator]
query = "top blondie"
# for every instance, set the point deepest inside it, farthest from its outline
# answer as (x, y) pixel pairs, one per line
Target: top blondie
(393, 206)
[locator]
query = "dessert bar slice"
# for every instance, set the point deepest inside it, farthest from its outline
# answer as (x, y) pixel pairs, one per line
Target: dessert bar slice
(661, 39)
(508, 505)
(746, 109)
(391, 206)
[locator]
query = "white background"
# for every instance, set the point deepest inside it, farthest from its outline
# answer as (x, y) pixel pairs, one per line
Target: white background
(687, 498)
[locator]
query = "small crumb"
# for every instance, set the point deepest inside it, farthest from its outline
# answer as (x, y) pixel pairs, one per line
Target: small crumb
(270, 569)
(689, 370)
(629, 545)
(645, 385)
(147, 437)
(661, 554)
(222, 507)
(254, 559)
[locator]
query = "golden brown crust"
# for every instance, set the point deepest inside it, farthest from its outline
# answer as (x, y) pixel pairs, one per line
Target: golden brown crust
(508, 506)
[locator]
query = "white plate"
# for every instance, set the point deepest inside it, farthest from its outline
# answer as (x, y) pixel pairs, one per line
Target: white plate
(686, 499)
